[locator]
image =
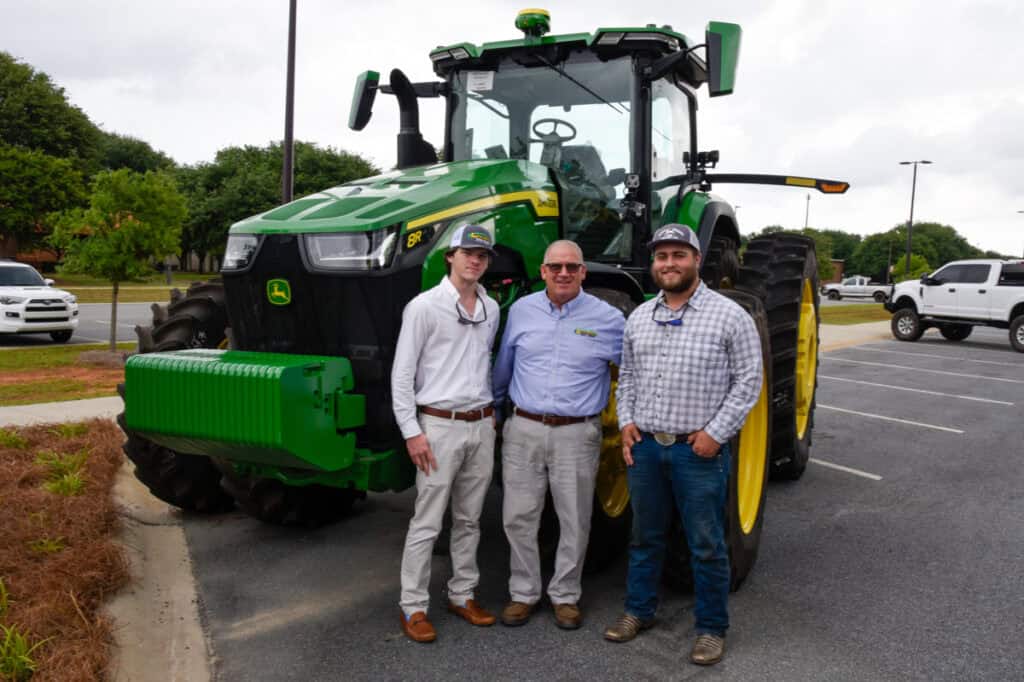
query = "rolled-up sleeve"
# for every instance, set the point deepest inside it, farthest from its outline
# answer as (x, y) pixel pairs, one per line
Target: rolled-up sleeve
(746, 374)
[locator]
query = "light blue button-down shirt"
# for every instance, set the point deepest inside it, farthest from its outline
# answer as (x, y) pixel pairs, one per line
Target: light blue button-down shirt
(555, 361)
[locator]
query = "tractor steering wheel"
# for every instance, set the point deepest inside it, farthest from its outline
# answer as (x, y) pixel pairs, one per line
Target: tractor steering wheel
(552, 135)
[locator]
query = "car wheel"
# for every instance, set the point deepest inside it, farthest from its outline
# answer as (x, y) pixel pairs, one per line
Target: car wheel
(834, 295)
(906, 325)
(62, 336)
(880, 297)
(1017, 333)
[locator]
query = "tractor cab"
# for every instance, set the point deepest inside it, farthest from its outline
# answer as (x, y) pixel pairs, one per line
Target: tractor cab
(611, 116)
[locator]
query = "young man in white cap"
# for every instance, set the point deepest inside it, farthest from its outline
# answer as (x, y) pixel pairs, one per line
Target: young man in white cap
(442, 400)
(690, 373)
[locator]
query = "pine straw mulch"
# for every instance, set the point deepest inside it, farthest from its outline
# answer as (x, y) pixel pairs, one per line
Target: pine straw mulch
(57, 595)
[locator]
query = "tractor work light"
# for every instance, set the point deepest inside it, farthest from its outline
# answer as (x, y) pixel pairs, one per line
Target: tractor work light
(239, 252)
(352, 250)
(610, 38)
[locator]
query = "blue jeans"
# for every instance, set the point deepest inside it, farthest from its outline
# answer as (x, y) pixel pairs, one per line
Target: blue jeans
(697, 485)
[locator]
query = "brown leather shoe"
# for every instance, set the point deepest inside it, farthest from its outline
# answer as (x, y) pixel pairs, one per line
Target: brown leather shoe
(626, 628)
(516, 613)
(473, 613)
(568, 616)
(707, 650)
(417, 628)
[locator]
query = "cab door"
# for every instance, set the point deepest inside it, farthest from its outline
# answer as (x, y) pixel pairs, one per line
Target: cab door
(939, 294)
(973, 293)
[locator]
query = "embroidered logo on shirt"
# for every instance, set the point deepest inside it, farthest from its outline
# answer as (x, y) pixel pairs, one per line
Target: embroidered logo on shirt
(585, 332)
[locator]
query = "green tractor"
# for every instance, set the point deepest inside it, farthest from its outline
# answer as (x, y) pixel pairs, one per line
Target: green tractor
(269, 388)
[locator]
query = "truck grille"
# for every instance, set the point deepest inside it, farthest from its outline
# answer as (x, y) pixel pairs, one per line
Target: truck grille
(46, 305)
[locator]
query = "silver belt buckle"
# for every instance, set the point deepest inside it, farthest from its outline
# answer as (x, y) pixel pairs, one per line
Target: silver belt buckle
(665, 439)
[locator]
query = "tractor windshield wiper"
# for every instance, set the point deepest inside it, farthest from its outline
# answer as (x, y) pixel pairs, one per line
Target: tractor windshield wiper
(561, 71)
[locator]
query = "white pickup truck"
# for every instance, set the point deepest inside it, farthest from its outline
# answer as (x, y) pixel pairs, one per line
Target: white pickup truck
(960, 296)
(856, 286)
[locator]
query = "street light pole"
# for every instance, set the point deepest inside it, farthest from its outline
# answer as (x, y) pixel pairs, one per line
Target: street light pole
(287, 169)
(1021, 212)
(910, 223)
(807, 211)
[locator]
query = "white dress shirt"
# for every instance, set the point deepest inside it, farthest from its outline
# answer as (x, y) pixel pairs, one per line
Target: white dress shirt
(440, 362)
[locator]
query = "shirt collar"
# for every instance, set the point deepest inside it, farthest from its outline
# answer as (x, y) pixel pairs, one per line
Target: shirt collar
(451, 292)
(567, 307)
(695, 301)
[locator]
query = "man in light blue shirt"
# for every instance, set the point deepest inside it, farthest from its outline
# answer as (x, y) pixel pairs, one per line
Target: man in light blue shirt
(554, 365)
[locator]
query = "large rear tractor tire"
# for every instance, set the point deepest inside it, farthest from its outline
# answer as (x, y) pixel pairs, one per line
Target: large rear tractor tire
(782, 270)
(612, 517)
(748, 478)
(196, 319)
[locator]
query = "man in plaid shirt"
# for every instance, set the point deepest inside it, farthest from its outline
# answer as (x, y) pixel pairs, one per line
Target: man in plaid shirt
(690, 372)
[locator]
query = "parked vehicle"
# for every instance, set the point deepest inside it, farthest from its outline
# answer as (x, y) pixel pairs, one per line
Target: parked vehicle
(857, 286)
(960, 296)
(30, 305)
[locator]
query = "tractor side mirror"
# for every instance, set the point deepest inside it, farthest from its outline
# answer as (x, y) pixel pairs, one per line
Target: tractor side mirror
(723, 52)
(362, 100)
(616, 176)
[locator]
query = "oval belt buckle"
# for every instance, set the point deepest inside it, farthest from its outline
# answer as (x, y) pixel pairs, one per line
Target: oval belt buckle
(665, 439)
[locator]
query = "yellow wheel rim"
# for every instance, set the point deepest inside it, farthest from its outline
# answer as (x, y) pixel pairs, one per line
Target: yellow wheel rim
(612, 486)
(806, 358)
(753, 456)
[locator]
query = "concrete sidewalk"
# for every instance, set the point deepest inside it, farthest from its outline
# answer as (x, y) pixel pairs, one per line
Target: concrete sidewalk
(159, 633)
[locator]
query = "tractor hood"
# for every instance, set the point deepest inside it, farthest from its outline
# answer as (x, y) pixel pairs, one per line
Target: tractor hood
(415, 196)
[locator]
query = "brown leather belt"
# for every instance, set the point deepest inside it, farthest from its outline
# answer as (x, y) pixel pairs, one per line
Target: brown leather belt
(551, 419)
(470, 416)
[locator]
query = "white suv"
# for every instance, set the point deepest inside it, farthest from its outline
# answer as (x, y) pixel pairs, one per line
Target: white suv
(30, 305)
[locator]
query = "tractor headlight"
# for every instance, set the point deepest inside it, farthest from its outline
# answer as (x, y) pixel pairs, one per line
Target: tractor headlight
(240, 251)
(11, 300)
(352, 250)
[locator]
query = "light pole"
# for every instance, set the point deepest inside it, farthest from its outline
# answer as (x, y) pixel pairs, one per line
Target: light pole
(287, 149)
(807, 211)
(1020, 212)
(910, 223)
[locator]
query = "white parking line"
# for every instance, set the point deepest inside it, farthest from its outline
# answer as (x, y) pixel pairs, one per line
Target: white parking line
(840, 467)
(942, 357)
(890, 419)
(918, 390)
(918, 369)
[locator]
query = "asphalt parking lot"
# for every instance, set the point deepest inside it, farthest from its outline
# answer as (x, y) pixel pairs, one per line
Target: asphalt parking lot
(896, 556)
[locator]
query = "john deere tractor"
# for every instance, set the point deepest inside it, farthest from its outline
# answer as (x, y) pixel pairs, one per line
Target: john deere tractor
(269, 389)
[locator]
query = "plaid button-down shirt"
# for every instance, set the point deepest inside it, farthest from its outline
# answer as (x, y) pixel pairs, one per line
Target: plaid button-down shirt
(702, 371)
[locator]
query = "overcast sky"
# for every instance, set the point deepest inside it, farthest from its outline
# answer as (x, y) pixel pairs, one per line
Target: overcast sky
(842, 90)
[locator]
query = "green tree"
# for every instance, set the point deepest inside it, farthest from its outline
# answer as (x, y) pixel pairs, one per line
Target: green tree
(132, 218)
(123, 151)
(918, 267)
(873, 254)
(246, 181)
(32, 184)
(843, 243)
(35, 114)
(822, 246)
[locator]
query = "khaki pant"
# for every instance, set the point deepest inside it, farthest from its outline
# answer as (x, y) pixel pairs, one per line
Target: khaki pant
(535, 456)
(465, 458)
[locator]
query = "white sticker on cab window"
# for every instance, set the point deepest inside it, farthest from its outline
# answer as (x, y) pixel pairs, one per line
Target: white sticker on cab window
(479, 81)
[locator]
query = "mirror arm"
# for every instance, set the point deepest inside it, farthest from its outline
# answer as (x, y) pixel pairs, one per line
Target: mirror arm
(667, 63)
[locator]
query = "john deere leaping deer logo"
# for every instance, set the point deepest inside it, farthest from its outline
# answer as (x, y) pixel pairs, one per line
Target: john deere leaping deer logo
(279, 292)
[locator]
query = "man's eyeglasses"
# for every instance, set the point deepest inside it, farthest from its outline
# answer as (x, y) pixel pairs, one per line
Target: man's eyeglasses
(674, 322)
(463, 319)
(571, 268)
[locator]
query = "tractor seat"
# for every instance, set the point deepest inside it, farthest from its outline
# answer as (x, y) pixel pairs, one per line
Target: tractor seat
(589, 162)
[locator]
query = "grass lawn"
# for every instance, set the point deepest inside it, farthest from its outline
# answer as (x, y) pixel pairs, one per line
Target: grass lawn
(131, 294)
(58, 561)
(179, 279)
(42, 375)
(854, 314)
(153, 289)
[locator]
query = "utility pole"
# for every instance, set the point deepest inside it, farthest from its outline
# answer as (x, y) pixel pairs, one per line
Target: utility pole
(807, 211)
(910, 223)
(287, 169)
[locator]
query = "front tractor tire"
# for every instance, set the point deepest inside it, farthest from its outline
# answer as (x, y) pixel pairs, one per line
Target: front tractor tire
(782, 270)
(272, 501)
(748, 478)
(196, 319)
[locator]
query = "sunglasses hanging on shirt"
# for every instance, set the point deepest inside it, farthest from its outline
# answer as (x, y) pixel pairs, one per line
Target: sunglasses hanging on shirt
(674, 322)
(464, 319)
